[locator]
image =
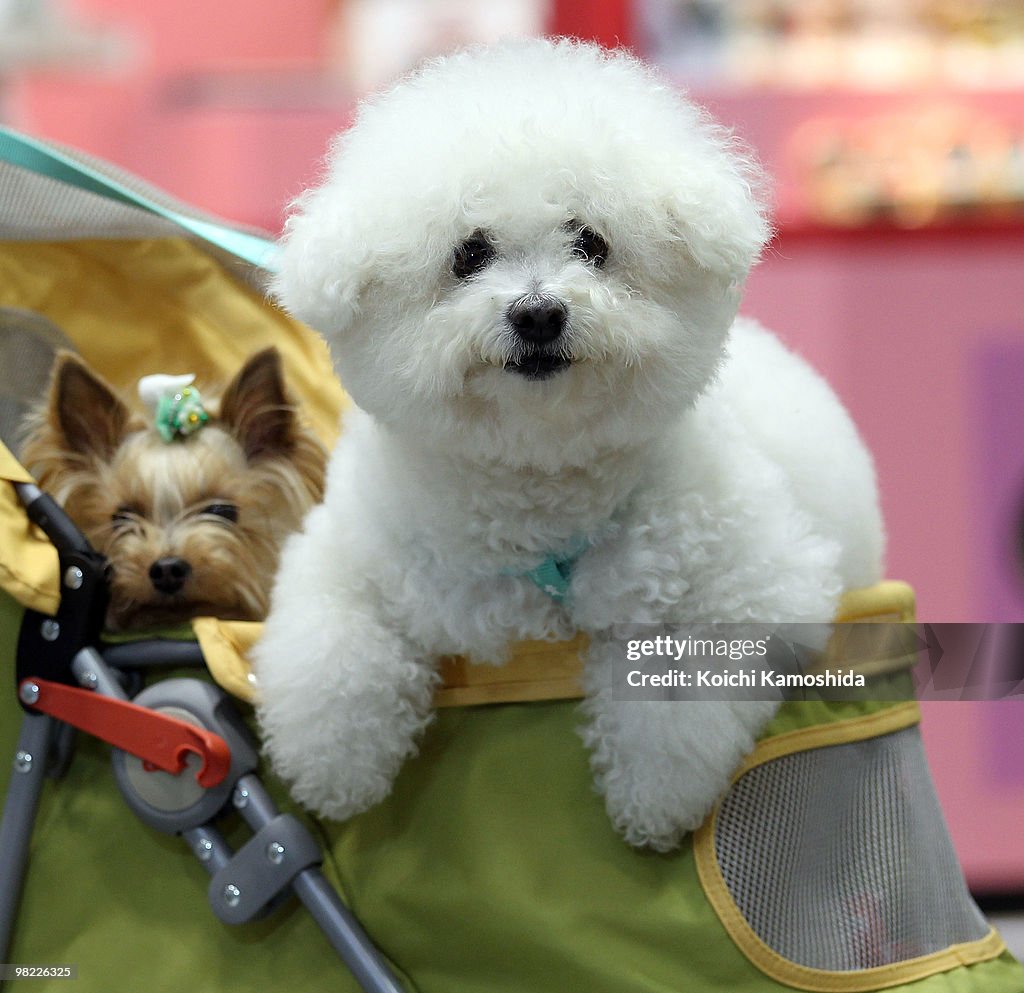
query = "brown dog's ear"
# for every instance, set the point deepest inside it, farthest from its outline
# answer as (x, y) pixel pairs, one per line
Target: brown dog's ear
(84, 410)
(256, 409)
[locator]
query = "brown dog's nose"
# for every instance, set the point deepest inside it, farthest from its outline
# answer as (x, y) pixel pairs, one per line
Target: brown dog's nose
(168, 574)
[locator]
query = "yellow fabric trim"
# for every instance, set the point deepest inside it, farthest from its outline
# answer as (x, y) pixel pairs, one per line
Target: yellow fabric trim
(895, 718)
(11, 468)
(765, 958)
(225, 646)
(535, 670)
(880, 640)
(28, 562)
(889, 600)
(552, 670)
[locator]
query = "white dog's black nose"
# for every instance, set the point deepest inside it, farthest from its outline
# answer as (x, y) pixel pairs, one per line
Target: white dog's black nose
(537, 318)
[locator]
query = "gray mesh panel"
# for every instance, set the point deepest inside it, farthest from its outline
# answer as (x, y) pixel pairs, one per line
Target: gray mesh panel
(28, 343)
(37, 208)
(838, 857)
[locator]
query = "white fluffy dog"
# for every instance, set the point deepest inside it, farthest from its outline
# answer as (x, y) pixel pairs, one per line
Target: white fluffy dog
(527, 261)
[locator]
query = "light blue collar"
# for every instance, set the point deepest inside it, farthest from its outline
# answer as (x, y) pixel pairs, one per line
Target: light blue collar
(554, 573)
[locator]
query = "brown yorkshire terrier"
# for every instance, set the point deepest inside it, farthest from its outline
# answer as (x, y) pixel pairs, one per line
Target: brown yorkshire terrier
(190, 507)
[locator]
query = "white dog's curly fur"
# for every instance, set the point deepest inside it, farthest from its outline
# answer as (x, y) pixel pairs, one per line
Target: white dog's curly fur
(713, 475)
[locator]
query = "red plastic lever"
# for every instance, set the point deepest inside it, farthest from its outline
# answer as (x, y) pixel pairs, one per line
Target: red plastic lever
(158, 739)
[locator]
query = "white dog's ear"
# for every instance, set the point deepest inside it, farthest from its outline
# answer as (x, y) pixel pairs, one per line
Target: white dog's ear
(721, 220)
(322, 263)
(728, 247)
(718, 193)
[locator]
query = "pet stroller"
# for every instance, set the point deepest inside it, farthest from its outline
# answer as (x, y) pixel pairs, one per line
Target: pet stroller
(492, 865)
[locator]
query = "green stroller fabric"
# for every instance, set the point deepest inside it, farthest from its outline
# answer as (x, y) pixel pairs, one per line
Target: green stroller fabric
(492, 867)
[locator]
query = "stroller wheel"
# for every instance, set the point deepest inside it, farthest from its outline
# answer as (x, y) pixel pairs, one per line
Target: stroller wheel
(176, 803)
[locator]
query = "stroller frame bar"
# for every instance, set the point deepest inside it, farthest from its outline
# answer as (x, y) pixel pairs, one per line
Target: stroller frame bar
(26, 786)
(281, 856)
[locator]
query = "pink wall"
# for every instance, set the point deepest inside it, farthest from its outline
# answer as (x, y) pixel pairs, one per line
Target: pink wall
(895, 320)
(214, 102)
(976, 753)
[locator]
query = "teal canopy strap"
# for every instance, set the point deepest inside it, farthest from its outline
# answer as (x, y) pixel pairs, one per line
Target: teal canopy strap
(554, 574)
(38, 157)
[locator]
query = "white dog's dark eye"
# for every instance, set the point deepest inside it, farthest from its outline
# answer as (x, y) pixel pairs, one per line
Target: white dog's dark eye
(590, 247)
(472, 255)
(226, 510)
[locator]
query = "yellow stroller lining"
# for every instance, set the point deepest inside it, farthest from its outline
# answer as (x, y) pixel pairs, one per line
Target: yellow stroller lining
(156, 293)
(492, 866)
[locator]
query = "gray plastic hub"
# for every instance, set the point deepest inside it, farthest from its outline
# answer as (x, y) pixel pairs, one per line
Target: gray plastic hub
(176, 803)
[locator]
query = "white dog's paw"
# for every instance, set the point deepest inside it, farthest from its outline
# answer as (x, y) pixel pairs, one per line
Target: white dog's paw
(342, 701)
(662, 765)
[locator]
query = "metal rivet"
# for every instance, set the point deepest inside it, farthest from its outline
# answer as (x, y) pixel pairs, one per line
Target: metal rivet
(241, 797)
(204, 850)
(232, 895)
(49, 629)
(275, 852)
(89, 680)
(23, 762)
(29, 693)
(73, 577)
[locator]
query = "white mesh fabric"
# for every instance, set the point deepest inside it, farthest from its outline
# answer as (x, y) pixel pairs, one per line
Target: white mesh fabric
(838, 858)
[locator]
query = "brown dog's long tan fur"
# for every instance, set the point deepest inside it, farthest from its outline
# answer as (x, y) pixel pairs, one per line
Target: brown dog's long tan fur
(193, 526)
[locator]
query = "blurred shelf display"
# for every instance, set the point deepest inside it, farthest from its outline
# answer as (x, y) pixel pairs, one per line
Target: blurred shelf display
(865, 44)
(41, 34)
(373, 41)
(940, 163)
(884, 114)
(262, 86)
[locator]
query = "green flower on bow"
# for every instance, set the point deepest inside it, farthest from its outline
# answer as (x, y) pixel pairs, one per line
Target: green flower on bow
(176, 405)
